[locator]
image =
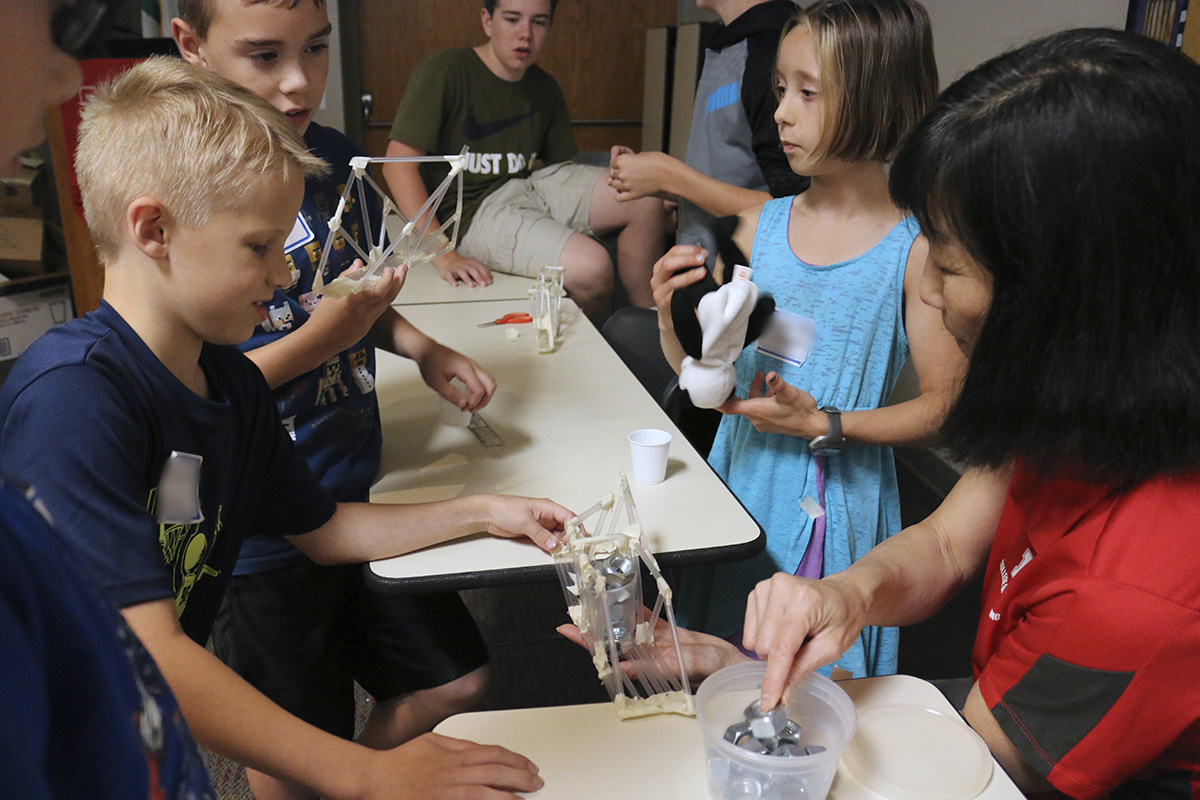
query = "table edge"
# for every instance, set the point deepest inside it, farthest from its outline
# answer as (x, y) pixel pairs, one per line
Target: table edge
(510, 576)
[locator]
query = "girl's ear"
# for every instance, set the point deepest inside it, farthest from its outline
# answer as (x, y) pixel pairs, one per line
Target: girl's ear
(146, 226)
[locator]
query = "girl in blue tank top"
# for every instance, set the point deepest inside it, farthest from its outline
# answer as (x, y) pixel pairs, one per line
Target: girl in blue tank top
(806, 440)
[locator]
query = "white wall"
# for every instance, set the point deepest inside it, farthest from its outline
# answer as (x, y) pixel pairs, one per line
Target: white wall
(968, 32)
(333, 108)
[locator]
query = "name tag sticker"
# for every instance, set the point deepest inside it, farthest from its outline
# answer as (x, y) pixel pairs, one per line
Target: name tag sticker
(301, 235)
(812, 508)
(179, 490)
(789, 337)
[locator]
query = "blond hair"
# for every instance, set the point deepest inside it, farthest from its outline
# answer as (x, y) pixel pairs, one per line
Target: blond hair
(878, 74)
(191, 139)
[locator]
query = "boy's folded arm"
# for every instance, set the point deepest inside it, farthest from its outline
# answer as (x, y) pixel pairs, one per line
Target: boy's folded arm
(360, 532)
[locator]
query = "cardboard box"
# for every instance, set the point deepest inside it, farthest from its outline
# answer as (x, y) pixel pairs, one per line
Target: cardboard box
(16, 194)
(29, 308)
(20, 246)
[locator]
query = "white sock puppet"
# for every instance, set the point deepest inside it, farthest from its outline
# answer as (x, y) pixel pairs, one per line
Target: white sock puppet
(724, 316)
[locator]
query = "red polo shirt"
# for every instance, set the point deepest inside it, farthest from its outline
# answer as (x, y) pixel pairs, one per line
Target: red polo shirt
(1088, 651)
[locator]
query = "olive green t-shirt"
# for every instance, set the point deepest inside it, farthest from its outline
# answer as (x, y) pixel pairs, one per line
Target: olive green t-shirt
(453, 99)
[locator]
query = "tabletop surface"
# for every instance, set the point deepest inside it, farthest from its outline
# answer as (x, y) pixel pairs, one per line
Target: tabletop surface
(564, 418)
(423, 285)
(587, 753)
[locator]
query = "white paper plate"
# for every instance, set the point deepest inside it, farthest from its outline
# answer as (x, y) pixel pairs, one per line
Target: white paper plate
(908, 752)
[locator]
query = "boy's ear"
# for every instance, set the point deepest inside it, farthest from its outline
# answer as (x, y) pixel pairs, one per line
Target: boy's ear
(146, 226)
(485, 19)
(188, 42)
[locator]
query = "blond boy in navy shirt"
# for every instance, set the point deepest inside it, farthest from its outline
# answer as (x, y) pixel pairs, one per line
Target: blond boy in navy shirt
(191, 186)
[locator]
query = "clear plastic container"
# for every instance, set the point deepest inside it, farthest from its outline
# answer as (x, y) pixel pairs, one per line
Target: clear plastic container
(543, 308)
(818, 705)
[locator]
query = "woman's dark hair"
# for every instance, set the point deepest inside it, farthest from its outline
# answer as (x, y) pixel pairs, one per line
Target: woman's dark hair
(1070, 170)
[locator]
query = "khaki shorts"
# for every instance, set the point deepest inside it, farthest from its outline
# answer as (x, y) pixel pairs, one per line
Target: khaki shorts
(524, 225)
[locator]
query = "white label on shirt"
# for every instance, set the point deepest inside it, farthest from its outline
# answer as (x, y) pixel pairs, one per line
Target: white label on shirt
(789, 337)
(301, 235)
(178, 500)
(812, 508)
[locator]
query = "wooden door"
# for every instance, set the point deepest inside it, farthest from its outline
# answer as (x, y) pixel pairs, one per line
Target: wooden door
(595, 50)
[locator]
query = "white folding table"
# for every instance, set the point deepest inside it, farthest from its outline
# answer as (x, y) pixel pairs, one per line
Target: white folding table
(563, 418)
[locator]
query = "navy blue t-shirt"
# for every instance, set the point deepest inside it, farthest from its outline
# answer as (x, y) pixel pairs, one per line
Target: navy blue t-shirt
(332, 412)
(153, 484)
(86, 713)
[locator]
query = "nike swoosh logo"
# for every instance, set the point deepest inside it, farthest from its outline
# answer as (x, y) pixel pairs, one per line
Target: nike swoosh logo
(473, 129)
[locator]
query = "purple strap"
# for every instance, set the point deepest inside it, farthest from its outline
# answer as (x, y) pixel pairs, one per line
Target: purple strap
(814, 556)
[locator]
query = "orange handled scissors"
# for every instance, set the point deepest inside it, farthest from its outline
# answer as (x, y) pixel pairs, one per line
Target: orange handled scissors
(507, 319)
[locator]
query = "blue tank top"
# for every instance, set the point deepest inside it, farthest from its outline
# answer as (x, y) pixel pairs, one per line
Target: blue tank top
(852, 315)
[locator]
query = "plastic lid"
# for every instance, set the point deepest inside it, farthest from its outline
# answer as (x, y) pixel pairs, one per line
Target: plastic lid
(907, 752)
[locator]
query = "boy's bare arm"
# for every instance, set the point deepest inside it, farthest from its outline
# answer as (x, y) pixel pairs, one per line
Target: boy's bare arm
(333, 326)
(439, 364)
(409, 194)
(231, 717)
(634, 175)
(360, 532)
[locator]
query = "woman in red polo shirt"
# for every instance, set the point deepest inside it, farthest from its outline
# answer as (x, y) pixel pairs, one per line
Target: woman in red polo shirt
(1059, 187)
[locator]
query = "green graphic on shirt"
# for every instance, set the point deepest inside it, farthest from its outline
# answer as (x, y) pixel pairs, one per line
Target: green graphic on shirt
(185, 550)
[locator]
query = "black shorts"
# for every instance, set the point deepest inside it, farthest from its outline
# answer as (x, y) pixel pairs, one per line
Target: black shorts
(302, 634)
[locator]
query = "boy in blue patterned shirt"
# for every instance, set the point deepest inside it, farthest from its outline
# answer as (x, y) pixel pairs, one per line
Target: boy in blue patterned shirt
(301, 632)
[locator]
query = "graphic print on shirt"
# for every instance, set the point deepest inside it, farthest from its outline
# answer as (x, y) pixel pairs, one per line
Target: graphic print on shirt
(788, 337)
(358, 370)
(1026, 557)
(1006, 574)
(492, 163)
(722, 97)
(474, 130)
(185, 550)
(331, 386)
(279, 318)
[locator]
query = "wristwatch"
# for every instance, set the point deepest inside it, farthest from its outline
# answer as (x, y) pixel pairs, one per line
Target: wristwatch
(833, 441)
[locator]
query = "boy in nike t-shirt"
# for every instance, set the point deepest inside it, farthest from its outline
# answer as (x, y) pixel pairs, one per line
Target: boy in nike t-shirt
(518, 217)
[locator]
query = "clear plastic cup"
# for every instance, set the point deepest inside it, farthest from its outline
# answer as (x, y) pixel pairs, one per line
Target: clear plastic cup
(818, 705)
(648, 450)
(543, 307)
(554, 277)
